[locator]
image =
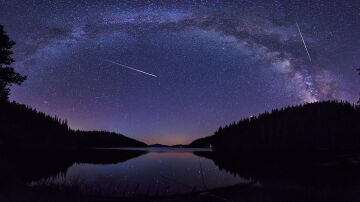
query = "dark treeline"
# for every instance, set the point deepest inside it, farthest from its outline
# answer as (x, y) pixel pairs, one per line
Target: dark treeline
(23, 128)
(323, 126)
(104, 139)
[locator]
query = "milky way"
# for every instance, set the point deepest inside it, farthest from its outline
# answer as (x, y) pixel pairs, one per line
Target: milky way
(216, 62)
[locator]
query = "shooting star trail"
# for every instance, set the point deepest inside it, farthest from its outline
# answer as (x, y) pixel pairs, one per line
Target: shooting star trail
(303, 41)
(131, 68)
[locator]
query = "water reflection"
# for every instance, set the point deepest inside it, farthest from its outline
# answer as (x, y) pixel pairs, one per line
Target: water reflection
(34, 166)
(168, 171)
(156, 172)
(299, 170)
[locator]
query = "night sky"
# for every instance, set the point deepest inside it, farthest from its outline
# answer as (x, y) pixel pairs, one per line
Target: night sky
(215, 61)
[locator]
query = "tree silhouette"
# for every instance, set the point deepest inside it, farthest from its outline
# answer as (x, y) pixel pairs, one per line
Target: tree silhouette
(24, 128)
(329, 126)
(7, 74)
(359, 75)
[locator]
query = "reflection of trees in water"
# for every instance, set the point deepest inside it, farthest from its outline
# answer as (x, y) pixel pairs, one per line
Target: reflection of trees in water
(34, 166)
(292, 169)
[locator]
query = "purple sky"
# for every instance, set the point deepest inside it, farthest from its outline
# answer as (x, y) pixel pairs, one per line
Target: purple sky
(215, 62)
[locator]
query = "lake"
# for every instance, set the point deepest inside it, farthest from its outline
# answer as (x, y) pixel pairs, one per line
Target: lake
(156, 172)
(140, 171)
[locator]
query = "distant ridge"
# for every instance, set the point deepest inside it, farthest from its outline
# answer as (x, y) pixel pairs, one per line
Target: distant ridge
(172, 146)
(329, 126)
(158, 145)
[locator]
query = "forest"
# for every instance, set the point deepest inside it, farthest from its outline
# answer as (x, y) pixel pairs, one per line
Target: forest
(24, 128)
(329, 126)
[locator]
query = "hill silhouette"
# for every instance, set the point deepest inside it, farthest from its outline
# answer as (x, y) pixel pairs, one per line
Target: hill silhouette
(23, 128)
(159, 145)
(329, 126)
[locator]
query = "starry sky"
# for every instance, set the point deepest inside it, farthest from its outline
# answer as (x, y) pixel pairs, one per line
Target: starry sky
(215, 61)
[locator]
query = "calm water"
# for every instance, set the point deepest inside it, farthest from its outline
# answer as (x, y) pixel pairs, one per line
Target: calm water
(156, 171)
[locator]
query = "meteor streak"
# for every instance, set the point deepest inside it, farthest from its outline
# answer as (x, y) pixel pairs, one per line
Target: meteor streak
(303, 41)
(130, 68)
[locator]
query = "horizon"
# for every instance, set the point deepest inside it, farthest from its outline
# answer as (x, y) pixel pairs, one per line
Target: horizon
(187, 143)
(172, 72)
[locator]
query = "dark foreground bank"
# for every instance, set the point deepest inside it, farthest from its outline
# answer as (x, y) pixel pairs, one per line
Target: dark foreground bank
(248, 193)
